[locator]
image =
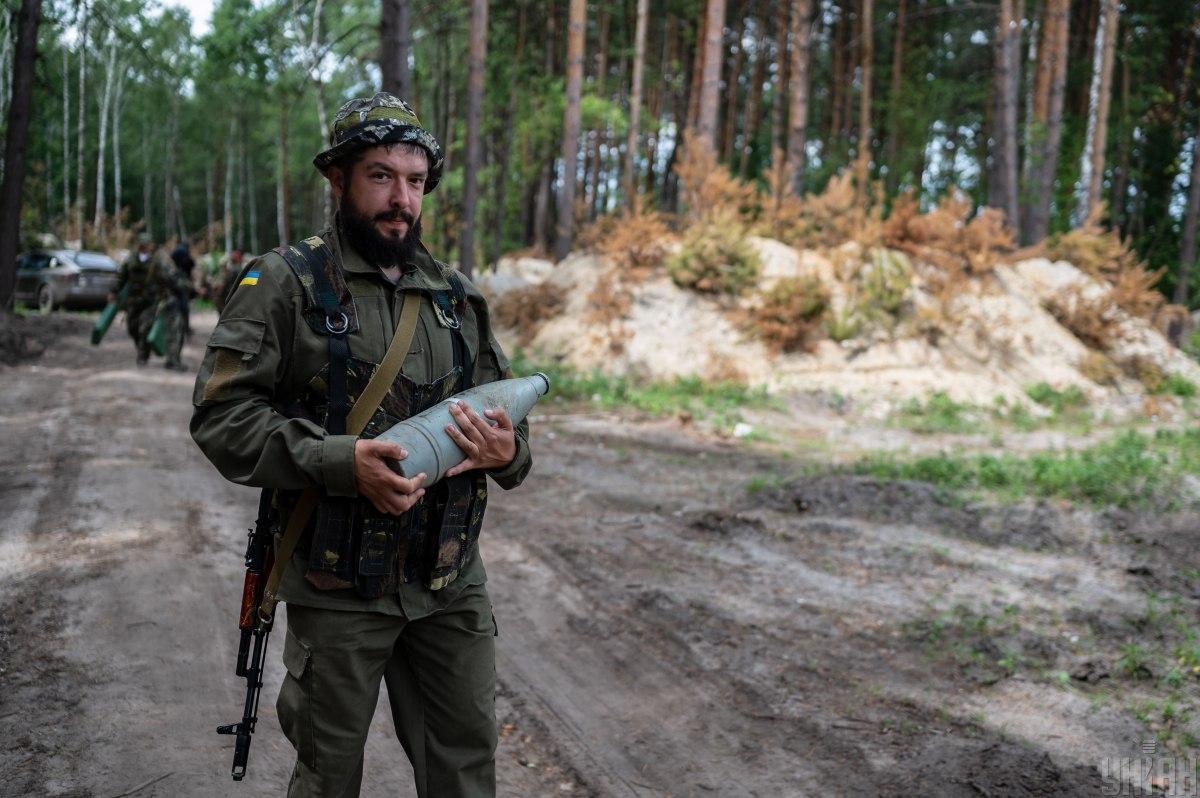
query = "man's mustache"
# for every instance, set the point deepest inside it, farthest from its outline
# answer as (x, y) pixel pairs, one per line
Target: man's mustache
(394, 215)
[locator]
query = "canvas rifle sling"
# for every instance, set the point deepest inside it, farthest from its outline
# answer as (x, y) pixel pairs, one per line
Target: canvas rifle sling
(357, 418)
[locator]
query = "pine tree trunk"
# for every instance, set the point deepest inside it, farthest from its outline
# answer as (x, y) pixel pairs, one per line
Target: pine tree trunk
(210, 200)
(729, 131)
(798, 115)
(710, 80)
(1187, 251)
(635, 105)
(230, 155)
(6, 53)
(15, 140)
(696, 76)
(754, 98)
(101, 155)
(893, 124)
(1101, 95)
(476, 64)
(243, 182)
(118, 106)
(1004, 187)
(780, 92)
(395, 48)
(592, 168)
(838, 44)
(1121, 172)
(147, 227)
(80, 125)
(66, 138)
(565, 231)
(541, 208)
(170, 201)
(283, 199)
(1048, 106)
(863, 162)
(251, 199)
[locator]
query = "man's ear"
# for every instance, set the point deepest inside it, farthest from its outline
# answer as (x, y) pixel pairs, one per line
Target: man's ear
(337, 181)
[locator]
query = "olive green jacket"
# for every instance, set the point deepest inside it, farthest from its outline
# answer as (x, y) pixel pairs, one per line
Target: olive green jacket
(153, 281)
(261, 357)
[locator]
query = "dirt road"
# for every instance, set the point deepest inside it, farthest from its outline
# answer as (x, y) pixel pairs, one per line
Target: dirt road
(663, 631)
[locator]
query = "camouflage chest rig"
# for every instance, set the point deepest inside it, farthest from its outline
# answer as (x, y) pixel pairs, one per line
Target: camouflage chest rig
(350, 543)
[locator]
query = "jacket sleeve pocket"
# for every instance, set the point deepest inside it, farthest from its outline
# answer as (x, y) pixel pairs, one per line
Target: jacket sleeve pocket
(239, 335)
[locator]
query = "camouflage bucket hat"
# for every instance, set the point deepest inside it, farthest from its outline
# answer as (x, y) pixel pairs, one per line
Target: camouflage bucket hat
(382, 119)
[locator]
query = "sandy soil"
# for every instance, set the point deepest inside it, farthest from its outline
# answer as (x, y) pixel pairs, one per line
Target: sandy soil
(663, 631)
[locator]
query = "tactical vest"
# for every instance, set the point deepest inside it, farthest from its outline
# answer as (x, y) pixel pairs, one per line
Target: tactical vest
(143, 284)
(350, 543)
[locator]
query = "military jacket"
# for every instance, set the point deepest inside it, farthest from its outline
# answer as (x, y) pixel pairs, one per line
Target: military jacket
(151, 281)
(263, 357)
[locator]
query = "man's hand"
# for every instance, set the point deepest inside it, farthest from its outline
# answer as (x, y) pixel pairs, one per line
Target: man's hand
(387, 490)
(112, 296)
(485, 446)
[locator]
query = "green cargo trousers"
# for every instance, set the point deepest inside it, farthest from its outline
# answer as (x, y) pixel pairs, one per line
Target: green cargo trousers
(440, 672)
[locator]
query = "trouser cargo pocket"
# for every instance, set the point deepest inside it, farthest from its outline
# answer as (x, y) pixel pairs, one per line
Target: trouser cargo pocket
(294, 704)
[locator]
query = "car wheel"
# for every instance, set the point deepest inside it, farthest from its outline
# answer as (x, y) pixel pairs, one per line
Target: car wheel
(45, 299)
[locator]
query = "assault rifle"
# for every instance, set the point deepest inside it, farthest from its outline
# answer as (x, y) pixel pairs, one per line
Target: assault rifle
(256, 629)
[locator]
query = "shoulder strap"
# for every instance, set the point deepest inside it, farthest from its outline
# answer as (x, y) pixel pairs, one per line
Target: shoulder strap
(358, 417)
(309, 259)
(389, 367)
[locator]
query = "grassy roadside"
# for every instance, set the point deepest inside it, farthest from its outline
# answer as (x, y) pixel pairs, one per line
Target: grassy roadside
(1131, 470)
(717, 402)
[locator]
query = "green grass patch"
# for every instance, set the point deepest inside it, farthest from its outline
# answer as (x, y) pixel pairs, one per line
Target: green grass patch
(1130, 470)
(1058, 401)
(941, 414)
(1175, 385)
(720, 402)
(938, 413)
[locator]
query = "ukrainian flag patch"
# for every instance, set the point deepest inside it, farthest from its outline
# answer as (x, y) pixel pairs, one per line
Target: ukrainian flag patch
(251, 278)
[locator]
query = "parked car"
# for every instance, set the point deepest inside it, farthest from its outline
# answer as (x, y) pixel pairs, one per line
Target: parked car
(51, 278)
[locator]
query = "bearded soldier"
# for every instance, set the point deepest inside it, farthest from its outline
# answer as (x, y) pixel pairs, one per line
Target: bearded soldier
(386, 581)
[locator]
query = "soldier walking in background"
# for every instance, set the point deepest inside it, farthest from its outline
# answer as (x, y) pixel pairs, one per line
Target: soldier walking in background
(174, 293)
(386, 582)
(136, 279)
(152, 284)
(182, 257)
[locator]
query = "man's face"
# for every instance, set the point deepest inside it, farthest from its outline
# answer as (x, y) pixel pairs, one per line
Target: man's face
(385, 187)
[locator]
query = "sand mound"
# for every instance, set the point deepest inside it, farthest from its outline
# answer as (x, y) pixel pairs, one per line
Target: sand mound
(993, 337)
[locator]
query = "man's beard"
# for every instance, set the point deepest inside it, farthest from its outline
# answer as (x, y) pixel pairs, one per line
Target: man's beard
(376, 248)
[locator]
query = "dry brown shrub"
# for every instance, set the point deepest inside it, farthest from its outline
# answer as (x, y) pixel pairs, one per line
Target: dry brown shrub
(1133, 290)
(637, 243)
(1145, 371)
(948, 236)
(1091, 319)
(709, 187)
(1099, 368)
(1103, 255)
(828, 218)
(608, 301)
(790, 314)
(527, 309)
